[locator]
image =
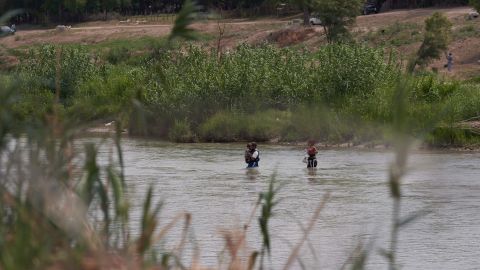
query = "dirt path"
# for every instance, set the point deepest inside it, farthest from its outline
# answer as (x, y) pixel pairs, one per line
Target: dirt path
(413, 15)
(109, 31)
(242, 29)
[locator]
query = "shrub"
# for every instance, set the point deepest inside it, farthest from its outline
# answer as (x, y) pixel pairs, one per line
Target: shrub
(223, 127)
(475, 4)
(181, 132)
(267, 125)
(336, 15)
(230, 126)
(39, 69)
(437, 37)
(431, 89)
(309, 123)
(346, 70)
(451, 136)
(108, 94)
(464, 103)
(29, 106)
(117, 55)
(34, 104)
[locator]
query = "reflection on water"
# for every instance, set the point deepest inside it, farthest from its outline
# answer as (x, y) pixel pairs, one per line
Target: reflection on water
(312, 174)
(252, 173)
(211, 182)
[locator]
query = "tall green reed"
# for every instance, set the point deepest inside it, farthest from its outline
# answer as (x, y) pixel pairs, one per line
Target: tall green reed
(403, 142)
(189, 90)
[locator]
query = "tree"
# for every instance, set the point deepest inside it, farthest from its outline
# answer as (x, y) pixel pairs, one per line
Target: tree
(438, 33)
(336, 15)
(74, 6)
(305, 6)
(475, 4)
(109, 5)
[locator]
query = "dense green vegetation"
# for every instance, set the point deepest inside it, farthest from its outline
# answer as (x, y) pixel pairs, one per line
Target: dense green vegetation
(340, 93)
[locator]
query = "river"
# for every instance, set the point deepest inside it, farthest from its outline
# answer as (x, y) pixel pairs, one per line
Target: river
(210, 182)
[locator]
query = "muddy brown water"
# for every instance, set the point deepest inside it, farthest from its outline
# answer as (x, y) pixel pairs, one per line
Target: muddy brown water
(210, 182)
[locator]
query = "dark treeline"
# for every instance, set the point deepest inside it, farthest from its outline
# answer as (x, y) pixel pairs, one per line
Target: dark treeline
(420, 3)
(44, 11)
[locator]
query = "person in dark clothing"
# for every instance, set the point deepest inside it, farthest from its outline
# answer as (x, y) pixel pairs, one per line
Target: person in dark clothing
(248, 155)
(252, 155)
(449, 64)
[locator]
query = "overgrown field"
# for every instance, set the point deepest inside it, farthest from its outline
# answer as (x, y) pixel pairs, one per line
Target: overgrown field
(340, 93)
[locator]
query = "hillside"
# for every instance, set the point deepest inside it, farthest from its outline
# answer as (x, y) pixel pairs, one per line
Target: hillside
(401, 30)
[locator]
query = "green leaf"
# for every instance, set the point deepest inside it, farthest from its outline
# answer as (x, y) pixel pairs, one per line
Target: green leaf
(149, 223)
(184, 18)
(120, 200)
(92, 175)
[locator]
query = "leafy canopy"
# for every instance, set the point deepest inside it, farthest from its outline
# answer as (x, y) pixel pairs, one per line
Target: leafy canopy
(438, 34)
(336, 16)
(475, 4)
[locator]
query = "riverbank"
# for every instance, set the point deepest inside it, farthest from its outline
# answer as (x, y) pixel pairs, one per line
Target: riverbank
(340, 93)
(108, 130)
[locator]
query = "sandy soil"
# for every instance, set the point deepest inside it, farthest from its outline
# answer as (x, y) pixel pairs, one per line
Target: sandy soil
(112, 30)
(414, 15)
(278, 31)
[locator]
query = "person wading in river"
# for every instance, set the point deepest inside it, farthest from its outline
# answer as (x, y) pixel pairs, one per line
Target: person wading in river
(252, 155)
(311, 155)
(248, 155)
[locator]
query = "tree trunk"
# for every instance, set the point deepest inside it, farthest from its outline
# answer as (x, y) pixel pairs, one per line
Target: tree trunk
(60, 17)
(105, 10)
(306, 15)
(327, 34)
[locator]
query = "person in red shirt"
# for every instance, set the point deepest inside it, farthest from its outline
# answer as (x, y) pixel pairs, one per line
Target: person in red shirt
(311, 155)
